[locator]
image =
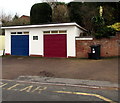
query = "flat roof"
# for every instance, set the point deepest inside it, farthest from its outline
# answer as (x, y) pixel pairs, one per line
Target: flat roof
(44, 25)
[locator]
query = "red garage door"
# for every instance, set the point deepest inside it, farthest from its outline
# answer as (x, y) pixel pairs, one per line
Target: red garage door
(55, 45)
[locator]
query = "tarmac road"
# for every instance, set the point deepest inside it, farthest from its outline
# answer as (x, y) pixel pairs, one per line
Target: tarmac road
(102, 70)
(26, 91)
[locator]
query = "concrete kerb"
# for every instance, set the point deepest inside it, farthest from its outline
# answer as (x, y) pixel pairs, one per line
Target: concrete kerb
(70, 82)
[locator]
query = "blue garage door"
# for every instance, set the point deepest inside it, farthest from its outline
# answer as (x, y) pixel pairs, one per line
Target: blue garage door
(20, 45)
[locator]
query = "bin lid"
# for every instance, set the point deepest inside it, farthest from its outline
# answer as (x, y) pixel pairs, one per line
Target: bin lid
(95, 45)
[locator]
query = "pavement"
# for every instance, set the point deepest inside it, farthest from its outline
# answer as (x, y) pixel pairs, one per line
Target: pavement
(69, 82)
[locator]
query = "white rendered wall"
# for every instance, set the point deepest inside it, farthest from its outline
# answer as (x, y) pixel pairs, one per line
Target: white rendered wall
(77, 31)
(36, 47)
(7, 42)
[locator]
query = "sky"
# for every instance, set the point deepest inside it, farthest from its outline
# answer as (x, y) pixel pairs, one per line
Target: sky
(19, 7)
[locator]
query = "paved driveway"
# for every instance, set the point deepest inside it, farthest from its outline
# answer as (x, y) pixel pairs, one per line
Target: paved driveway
(104, 69)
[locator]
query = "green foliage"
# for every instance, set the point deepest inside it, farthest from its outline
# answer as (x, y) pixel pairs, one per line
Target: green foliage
(78, 12)
(60, 3)
(74, 12)
(87, 11)
(105, 32)
(100, 29)
(40, 13)
(15, 17)
(82, 13)
(115, 26)
(111, 11)
(97, 35)
(60, 13)
(98, 22)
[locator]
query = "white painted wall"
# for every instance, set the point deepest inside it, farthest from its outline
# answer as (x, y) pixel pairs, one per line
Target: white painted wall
(2, 44)
(77, 31)
(7, 42)
(36, 47)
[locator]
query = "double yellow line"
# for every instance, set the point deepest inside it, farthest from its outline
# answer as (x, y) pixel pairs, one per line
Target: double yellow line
(87, 94)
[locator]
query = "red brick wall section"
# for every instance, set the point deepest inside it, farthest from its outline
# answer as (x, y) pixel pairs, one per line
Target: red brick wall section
(109, 47)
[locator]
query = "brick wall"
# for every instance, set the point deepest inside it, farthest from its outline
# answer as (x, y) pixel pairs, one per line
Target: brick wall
(109, 47)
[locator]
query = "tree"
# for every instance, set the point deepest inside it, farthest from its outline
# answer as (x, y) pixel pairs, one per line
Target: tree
(23, 20)
(98, 23)
(60, 13)
(100, 28)
(109, 14)
(88, 10)
(15, 21)
(111, 11)
(40, 13)
(5, 18)
(74, 12)
(52, 3)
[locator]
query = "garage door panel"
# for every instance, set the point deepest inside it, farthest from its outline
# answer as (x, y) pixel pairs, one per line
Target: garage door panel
(20, 45)
(55, 45)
